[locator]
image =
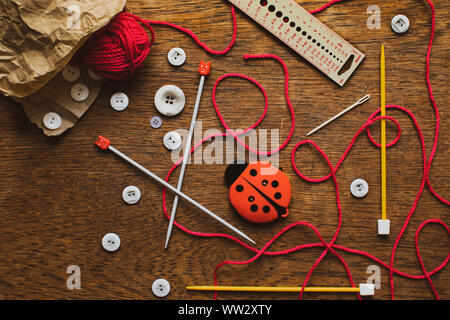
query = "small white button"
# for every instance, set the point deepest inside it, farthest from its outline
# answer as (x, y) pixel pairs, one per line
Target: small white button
(176, 57)
(359, 188)
(172, 140)
(119, 101)
(94, 75)
(111, 242)
(79, 92)
(131, 195)
(400, 23)
(52, 121)
(170, 100)
(161, 288)
(156, 122)
(71, 73)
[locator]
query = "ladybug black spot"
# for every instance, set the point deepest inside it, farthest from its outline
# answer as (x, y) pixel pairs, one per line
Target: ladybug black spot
(253, 172)
(265, 183)
(277, 195)
(251, 199)
(275, 183)
(254, 208)
(266, 209)
(239, 188)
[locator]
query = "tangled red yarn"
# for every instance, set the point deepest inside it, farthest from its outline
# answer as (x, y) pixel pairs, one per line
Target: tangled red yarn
(118, 49)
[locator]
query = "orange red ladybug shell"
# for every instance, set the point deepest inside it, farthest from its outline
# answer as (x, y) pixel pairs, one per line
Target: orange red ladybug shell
(259, 192)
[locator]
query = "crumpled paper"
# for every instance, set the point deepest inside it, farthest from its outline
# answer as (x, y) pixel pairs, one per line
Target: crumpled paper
(37, 40)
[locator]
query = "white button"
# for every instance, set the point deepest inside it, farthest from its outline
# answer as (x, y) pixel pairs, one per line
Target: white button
(52, 121)
(170, 100)
(79, 92)
(131, 195)
(156, 122)
(161, 288)
(176, 57)
(359, 188)
(71, 73)
(172, 140)
(94, 75)
(111, 242)
(119, 101)
(400, 23)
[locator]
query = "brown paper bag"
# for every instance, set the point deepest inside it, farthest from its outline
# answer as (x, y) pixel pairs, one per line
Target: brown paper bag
(38, 38)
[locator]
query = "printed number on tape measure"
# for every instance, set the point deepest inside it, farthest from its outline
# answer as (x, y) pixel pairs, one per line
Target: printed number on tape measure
(306, 35)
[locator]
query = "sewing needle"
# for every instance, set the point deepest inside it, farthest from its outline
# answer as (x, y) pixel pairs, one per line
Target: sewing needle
(359, 102)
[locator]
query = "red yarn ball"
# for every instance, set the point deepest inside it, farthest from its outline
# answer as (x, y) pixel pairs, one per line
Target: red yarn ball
(118, 49)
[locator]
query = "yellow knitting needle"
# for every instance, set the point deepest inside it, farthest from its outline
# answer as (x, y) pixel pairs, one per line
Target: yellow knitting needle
(273, 289)
(384, 223)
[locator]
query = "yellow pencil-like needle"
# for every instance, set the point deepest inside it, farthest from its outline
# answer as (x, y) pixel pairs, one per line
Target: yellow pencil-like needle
(383, 136)
(272, 289)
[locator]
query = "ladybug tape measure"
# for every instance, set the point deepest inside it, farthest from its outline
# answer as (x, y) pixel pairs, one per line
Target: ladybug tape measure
(306, 35)
(259, 192)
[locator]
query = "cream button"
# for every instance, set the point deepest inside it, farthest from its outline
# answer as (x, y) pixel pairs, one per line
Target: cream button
(161, 288)
(71, 73)
(170, 100)
(119, 101)
(79, 92)
(111, 242)
(172, 140)
(359, 188)
(131, 195)
(400, 23)
(176, 57)
(52, 121)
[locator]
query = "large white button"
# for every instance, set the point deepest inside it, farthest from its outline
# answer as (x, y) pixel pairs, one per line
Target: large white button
(156, 122)
(161, 288)
(170, 100)
(71, 73)
(119, 101)
(52, 121)
(172, 140)
(131, 195)
(94, 75)
(359, 188)
(111, 242)
(79, 92)
(400, 23)
(176, 57)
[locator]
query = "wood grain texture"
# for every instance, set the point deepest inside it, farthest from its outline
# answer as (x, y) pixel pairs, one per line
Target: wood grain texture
(60, 196)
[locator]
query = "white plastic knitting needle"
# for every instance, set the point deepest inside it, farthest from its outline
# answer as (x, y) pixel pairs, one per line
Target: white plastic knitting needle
(204, 70)
(104, 144)
(359, 102)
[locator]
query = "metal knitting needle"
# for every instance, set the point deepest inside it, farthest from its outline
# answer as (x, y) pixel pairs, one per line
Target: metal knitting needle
(359, 102)
(204, 70)
(104, 144)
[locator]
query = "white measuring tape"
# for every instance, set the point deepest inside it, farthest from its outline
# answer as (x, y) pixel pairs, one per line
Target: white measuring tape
(306, 35)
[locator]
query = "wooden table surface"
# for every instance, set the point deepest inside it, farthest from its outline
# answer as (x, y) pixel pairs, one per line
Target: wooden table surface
(59, 196)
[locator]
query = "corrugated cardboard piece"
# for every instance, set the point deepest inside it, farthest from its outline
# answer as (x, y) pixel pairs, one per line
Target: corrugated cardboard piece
(37, 39)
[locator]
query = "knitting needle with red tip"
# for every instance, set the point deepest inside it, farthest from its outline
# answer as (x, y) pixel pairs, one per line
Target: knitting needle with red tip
(105, 144)
(204, 70)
